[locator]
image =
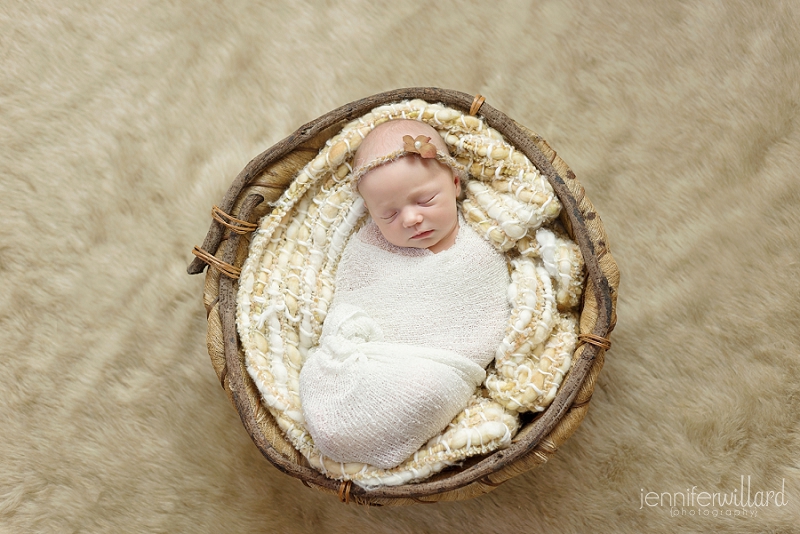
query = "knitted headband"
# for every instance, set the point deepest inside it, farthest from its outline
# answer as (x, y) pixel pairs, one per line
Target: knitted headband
(420, 146)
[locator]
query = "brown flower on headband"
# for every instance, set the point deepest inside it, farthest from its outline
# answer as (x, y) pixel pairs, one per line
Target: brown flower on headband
(420, 146)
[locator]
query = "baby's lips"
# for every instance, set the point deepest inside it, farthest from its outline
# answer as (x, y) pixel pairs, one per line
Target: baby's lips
(421, 233)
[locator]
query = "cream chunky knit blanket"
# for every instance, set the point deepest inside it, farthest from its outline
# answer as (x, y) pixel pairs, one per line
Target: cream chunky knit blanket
(404, 345)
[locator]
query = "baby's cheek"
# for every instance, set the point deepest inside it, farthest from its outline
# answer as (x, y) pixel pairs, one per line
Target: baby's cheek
(384, 228)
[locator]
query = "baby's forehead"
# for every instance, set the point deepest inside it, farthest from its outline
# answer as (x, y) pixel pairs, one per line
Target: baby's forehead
(387, 137)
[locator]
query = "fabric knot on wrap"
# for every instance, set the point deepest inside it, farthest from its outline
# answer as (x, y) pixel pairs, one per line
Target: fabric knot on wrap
(349, 329)
(376, 402)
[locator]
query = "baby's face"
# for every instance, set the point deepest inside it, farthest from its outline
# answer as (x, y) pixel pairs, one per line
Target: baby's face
(413, 202)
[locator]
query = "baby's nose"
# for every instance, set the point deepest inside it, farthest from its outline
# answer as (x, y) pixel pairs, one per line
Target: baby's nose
(411, 217)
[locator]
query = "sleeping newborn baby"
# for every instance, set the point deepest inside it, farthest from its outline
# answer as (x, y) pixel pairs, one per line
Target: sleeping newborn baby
(420, 307)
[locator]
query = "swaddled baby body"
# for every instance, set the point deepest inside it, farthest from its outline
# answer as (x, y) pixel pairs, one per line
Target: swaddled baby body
(420, 307)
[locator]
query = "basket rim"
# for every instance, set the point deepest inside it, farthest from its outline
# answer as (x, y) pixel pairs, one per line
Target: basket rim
(575, 210)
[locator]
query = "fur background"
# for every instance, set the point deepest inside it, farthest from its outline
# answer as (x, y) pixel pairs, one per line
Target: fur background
(121, 123)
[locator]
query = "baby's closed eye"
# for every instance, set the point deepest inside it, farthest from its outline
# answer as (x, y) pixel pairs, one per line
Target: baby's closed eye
(428, 201)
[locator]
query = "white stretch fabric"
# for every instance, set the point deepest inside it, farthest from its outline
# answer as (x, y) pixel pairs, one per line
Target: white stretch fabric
(404, 345)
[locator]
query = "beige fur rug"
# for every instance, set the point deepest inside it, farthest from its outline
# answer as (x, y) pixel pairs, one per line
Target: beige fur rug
(121, 123)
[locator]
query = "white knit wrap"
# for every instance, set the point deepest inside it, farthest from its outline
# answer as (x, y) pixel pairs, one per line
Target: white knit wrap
(404, 345)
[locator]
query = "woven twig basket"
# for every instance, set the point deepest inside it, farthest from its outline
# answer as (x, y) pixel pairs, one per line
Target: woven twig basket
(226, 246)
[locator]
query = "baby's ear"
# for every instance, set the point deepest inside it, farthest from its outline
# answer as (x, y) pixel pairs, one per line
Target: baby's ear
(457, 182)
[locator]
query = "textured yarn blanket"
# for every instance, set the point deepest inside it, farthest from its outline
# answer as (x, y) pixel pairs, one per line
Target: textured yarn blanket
(122, 123)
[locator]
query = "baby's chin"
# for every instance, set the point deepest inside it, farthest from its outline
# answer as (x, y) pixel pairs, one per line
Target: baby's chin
(435, 241)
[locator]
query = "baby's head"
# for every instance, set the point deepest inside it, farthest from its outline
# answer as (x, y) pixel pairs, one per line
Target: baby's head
(409, 188)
